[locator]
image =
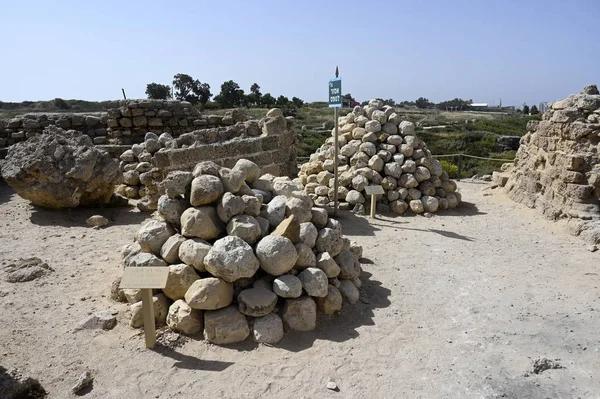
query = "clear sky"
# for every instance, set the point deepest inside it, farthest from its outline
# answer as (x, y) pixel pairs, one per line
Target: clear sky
(519, 51)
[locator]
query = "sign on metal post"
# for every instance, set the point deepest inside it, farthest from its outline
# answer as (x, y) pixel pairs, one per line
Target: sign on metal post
(146, 278)
(335, 102)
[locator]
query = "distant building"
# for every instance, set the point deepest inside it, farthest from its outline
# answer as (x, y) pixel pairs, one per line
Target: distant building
(478, 106)
(543, 107)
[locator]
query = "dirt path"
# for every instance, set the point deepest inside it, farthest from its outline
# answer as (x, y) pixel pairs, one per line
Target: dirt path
(457, 305)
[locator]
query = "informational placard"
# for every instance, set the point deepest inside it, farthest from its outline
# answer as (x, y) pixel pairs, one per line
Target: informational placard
(144, 277)
(335, 93)
(374, 190)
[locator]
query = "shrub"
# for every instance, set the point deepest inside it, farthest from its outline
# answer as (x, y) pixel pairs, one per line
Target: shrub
(61, 104)
(450, 168)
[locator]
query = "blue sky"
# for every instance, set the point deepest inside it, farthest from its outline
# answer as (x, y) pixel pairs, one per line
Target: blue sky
(528, 51)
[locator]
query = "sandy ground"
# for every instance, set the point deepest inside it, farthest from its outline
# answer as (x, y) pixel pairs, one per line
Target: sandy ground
(454, 306)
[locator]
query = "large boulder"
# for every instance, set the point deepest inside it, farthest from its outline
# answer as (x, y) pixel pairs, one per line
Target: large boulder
(225, 326)
(61, 169)
(277, 255)
(231, 258)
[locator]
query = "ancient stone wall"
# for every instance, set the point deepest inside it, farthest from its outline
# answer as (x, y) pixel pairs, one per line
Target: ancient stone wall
(557, 167)
(125, 123)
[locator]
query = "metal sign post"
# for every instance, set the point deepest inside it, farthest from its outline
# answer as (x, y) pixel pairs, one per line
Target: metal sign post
(335, 102)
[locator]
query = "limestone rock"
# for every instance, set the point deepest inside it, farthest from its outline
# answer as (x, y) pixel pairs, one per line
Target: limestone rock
(256, 302)
(209, 294)
(349, 291)
(300, 314)
(170, 249)
(329, 240)
(232, 179)
(319, 217)
(176, 183)
(225, 326)
(330, 303)
(143, 259)
(314, 281)
(249, 168)
(181, 277)
(326, 263)
(308, 234)
(193, 251)
(205, 190)
(349, 264)
(201, 222)
(161, 308)
(276, 210)
(287, 286)
(268, 329)
(289, 228)
(306, 257)
(277, 255)
(96, 221)
(229, 206)
(231, 258)
(246, 227)
(61, 169)
(171, 209)
(182, 318)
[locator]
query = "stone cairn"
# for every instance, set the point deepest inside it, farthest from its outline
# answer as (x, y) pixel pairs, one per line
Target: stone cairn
(378, 148)
(247, 254)
(557, 167)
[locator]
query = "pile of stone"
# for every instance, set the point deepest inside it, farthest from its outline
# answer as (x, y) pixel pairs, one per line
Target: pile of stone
(557, 167)
(61, 169)
(136, 165)
(247, 255)
(376, 147)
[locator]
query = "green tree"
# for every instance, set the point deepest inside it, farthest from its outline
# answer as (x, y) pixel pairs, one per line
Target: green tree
(534, 110)
(422, 102)
(156, 91)
(298, 103)
(389, 102)
(192, 90)
(231, 95)
(61, 104)
(282, 101)
(267, 100)
(525, 109)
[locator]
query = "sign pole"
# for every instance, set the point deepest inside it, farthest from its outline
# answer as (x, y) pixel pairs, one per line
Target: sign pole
(145, 279)
(335, 102)
(335, 163)
(148, 309)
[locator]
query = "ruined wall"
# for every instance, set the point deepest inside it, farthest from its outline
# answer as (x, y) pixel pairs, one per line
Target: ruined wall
(557, 167)
(125, 123)
(270, 143)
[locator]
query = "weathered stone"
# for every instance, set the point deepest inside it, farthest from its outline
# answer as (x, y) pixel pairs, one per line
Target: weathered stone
(153, 234)
(161, 308)
(193, 252)
(416, 206)
(287, 286)
(61, 169)
(246, 227)
(205, 190)
(276, 210)
(308, 234)
(225, 326)
(256, 302)
(209, 294)
(306, 257)
(330, 303)
(206, 168)
(170, 249)
(329, 240)
(96, 221)
(349, 291)
(277, 255)
(319, 217)
(176, 183)
(231, 258)
(201, 222)
(183, 319)
(232, 179)
(349, 264)
(229, 206)
(268, 329)
(326, 263)
(288, 228)
(171, 209)
(143, 259)
(300, 314)
(314, 281)
(181, 277)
